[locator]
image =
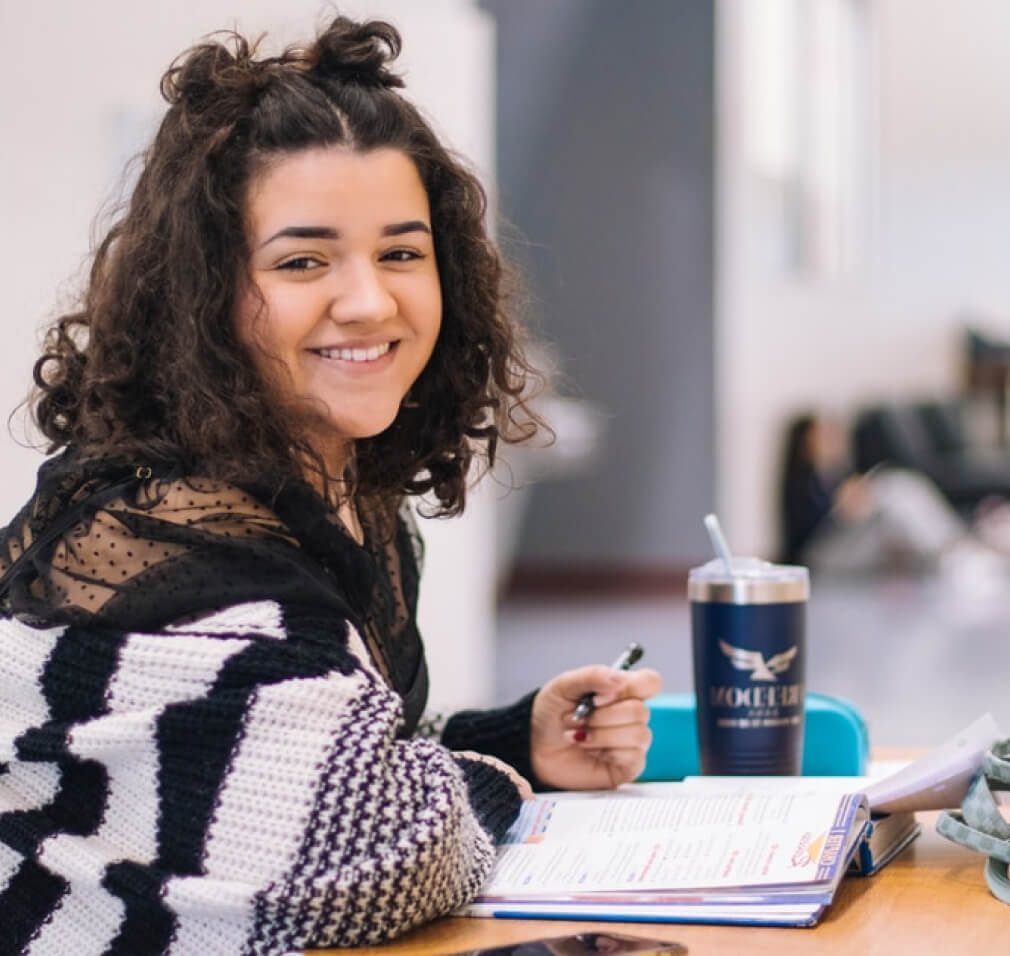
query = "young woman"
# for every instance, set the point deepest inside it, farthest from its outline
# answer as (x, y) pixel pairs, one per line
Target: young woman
(212, 683)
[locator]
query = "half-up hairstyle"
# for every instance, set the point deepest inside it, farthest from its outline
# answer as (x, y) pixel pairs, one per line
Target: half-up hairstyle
(151, 366)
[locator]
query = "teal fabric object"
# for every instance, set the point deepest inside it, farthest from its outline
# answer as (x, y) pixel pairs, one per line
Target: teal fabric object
(835, 739)
(979, 825)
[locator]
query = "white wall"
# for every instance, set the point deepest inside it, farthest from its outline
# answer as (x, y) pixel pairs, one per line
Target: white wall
(938, 244)
(78, 96)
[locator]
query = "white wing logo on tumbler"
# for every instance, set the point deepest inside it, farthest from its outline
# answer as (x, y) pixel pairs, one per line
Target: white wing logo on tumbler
(744, 660)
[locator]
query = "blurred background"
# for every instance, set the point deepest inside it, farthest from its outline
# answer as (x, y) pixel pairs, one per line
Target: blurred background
(727, 214)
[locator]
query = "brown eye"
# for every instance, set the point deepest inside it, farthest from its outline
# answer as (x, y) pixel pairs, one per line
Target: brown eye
(301, 264)
(401, 255)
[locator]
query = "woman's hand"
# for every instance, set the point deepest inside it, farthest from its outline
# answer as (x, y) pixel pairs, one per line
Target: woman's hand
(522, 784)
(607, 748)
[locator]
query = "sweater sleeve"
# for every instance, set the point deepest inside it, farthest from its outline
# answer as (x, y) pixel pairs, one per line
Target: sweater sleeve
(255, 796)
(503, 733)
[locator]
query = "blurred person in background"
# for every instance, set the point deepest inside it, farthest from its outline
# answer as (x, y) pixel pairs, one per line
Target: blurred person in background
(835, 520)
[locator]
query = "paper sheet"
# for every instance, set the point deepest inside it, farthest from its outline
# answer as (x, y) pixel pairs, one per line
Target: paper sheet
(687, 841)
(939, 779)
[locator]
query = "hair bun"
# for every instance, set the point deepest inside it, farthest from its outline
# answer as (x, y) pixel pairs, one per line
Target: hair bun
(211, 69)
(358, 52)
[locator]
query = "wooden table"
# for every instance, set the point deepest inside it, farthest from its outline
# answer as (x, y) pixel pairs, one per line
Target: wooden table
(931, 899)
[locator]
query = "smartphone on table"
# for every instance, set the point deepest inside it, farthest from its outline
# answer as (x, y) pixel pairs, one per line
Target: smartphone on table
(583, 944)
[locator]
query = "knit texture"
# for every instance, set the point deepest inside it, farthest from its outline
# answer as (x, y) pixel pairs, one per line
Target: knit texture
(503, 733)
(493, 796)
(238, 781)
(223, 790)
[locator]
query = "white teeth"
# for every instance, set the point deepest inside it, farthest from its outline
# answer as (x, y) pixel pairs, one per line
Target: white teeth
(356, 355)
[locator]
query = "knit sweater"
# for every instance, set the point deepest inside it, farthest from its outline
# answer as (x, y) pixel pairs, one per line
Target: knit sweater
(239, 777)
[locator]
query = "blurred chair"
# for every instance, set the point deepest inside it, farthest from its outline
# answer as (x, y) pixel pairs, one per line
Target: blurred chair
(931, 438)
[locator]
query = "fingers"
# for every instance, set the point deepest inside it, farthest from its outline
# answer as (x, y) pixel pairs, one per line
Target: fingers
(642, 683)
(624, 685)
(617, 766)
(623, 737)
(616, 736)
(605, 683)
(629, 710)
(604, 749)
(598, 679)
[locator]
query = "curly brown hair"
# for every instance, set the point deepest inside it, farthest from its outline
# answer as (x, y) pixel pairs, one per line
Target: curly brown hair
(151, 366)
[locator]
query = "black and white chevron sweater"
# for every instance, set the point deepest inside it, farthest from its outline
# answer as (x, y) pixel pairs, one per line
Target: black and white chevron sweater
(207, 707)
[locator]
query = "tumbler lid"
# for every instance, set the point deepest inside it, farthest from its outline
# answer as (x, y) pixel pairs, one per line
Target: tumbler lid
(753, 582)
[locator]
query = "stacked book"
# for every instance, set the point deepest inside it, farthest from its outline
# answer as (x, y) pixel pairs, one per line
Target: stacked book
(763, 851)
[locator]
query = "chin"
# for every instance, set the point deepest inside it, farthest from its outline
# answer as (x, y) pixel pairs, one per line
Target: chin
(358, 430)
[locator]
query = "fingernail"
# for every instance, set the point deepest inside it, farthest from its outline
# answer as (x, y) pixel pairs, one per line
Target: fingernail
(580, 735)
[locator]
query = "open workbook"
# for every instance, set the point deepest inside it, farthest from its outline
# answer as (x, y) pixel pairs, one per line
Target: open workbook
(768, 851)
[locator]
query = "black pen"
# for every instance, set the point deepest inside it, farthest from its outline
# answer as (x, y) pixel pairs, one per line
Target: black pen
(629, 656)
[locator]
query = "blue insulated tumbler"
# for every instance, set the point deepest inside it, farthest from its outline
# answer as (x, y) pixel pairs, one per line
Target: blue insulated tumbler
(748, 635)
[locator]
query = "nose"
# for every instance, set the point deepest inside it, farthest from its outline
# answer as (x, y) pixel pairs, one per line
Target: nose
(360, 294)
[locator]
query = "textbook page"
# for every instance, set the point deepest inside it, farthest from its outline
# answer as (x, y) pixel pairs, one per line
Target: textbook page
(940, 778)
(718, 841)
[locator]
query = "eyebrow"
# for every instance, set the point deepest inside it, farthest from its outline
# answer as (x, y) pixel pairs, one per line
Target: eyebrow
(326, 232)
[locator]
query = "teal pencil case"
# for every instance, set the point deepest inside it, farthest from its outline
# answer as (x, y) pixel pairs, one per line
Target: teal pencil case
(835, 739)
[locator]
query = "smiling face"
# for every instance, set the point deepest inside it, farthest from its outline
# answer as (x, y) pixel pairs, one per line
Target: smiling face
(343, 256)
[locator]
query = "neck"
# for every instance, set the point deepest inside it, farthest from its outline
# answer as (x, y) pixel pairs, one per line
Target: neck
(338, 458)
(339, 490)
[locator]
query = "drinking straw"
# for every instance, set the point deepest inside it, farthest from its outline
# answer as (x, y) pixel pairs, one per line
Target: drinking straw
(714, 530)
